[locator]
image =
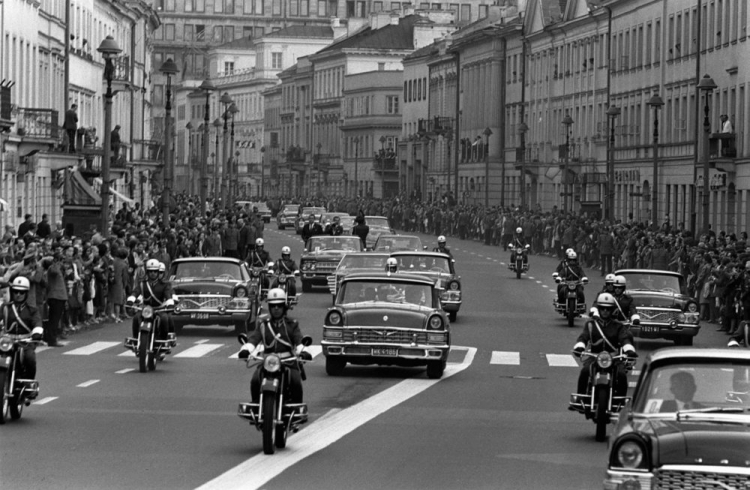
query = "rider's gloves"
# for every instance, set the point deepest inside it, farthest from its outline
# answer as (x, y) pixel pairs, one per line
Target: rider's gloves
(594, 312)
(36, 333)
(733, 343)
(578, 349)
(632, 354)
(635, 319)
(130, 301)
(629, 350)
(305, 356)
(246, 350)
(169, 302)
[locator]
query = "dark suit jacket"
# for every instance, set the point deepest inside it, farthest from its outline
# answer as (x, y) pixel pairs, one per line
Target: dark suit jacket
(671, 406)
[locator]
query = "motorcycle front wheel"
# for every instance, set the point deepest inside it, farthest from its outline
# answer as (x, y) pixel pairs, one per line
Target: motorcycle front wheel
(142, 353)
(571, 314)
(281, 435)
(4, 382)
(602, 419)
(269, 415)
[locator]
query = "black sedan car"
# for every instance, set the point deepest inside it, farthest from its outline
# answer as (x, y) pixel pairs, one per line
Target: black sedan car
(321, 257)
(687, 425)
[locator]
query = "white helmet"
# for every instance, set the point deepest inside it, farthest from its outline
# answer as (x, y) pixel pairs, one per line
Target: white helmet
(286, 251)
(519, 230)
(162, 267)
(391, 265)
(152, 265)
(20, 284)
(568, 251)
(609, 279)
(620, 282)
(572, 255)
(605, 300)
(276, 296)
(441, 239)
(259, 242)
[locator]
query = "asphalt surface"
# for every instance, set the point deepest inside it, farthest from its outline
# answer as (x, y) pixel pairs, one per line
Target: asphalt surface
(498, 419)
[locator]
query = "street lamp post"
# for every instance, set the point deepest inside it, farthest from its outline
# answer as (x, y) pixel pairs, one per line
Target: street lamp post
(226, 100)
(109, 50)
(487, 134)
(567, 122)
(234, 174)
(217, 159)
(656, 103)
(522, 129)
(356, 167)
(706, 85)
(318, 146)
(612, 114)
(168, 68)
(262, 163)
(189, 127)
(206, 87)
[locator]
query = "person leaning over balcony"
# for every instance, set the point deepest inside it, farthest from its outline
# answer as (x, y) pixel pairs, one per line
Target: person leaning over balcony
(726, 124)
(70, 126)
(115, 142)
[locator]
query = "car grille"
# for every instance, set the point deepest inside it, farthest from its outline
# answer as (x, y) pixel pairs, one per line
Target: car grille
(327, 267)
(384, 335)
(649, 315)
(684, 480)
(332, 283)
(195, 302)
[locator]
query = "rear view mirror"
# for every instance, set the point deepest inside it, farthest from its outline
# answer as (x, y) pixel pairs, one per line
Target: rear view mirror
(306, 340)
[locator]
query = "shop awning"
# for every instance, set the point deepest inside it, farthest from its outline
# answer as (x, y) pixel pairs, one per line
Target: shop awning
(118, 194)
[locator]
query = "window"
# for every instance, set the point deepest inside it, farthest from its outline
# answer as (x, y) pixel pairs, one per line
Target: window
(391, 104)
(657, 42)
(200, 5)
(169, 5)
(189, 32)
(437, 6)
(200, 32)
(158, 98)
(158, 59)
(169, 32)
(361, 9)
(276, 7)
(159, 34)
(218, 6)
(247, 31)
(218, 32)
(377, 6)
(304, 8)
(321, 8)
(188, 5)
(381, 66)
(276, 61)
(424, 5)
(396, 6)
(229, 6)
(259, 32)
(228, 33)
(294, 8)
(228, 67)
(465, 12)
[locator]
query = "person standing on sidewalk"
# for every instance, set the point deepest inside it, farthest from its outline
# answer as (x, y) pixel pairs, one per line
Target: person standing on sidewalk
(606, 250)
(57, 296)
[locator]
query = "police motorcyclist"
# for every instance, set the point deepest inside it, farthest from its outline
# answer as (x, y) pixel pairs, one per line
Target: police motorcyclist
(279, 334)
(570, 270)
(156, 293)
(609, 284)
(519, 241)
(604, 333)
(20, 318)
(441, 247)
(335, 228)
(391, 265)
(259, 257)
(287, 266)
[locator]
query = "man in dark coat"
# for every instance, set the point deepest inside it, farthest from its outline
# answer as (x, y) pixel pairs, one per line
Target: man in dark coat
(70, 126)
(43, 229)
(361, 230)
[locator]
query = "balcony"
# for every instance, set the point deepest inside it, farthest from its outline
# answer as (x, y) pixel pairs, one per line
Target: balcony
(438, 125)
(37, 123)
(295, 154)
(568, 153)
(385, 161)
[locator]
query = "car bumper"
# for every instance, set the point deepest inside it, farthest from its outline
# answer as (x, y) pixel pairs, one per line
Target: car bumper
(620, 480)
(319, 278)
(378, 353)
(648, 330)
(211, 317)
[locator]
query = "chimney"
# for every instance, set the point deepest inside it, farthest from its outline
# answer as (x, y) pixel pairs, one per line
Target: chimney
(380, 19)
(338, 29)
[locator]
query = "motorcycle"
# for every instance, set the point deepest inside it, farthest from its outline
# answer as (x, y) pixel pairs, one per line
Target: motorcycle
(257, 280)
(571, 308)
(517, 265)
(146, 346)
(273, 415)
(600, 403)
(282, 281)
(17, 391)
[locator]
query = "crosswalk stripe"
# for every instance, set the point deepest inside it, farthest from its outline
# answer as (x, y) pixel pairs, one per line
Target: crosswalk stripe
(123, 371)
(631, 384)
(202, 341)
(88, 383)
(126, 353)
(87, 350)
(199, 350)
(45, 400)
(43, 348)
(500, 357)
(561, 360)
(635, 372)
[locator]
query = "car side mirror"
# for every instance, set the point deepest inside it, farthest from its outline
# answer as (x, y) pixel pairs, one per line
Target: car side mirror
(306, 340)
(242, 339)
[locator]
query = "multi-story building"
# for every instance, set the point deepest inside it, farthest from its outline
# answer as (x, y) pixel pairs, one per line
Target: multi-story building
(49, 62)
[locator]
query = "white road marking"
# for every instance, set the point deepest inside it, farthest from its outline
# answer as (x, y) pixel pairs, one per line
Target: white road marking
(199, 350)
(631, 384)
(538, 282)
(87, 350)
(88, 383)
(126, 353)
(499, 357)
(202, 341)
(46, 400)
(635, 372)
(43, 348)
(561, 360)
(258, 470)
(123, 371)
(314, 350)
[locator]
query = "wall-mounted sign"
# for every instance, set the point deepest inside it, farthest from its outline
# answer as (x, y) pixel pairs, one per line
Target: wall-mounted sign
(627, 176)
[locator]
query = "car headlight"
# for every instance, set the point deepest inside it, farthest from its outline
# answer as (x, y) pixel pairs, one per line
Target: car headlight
(271, 363)
(454, 286)
(630, 453)
(177, 310)
(240, 292)
(604, 360)
(6, 343)
(305, 266)
(435, 323)
(334, 318)
(691, 307)
(222, 309)
(147, 313)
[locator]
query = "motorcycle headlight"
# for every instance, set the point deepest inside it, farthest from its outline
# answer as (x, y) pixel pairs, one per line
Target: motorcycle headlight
(334, 318)
(453, 285)
(272, 363)
(6, 343)
(692, 307)
(604, 360)
(147, 313)
(282, 279)
(256, 273)
(435, 323)
(572, 285)
(240, 292)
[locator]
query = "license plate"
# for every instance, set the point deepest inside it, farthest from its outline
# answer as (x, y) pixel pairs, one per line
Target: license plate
(385, 352)
(649, 329)
(199, 316)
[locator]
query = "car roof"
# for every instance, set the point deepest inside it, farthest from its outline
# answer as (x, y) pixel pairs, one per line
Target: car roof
(423, 253)
(396, 235)
(336, 237)
(648, 271)
(379, 276)
(368, 254)
(672, 353)
(231, 260)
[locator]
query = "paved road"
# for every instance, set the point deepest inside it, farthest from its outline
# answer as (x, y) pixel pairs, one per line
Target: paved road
(498, 418)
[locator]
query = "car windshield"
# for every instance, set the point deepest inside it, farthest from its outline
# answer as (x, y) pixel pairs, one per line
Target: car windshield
(206, 270)
(261, 206)
(376, 221)
(363, 261)
(393, 244)
(657, 282)
(348, 244)
(290, 209)
(423, 263)
(386, 292)
(715, 386)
